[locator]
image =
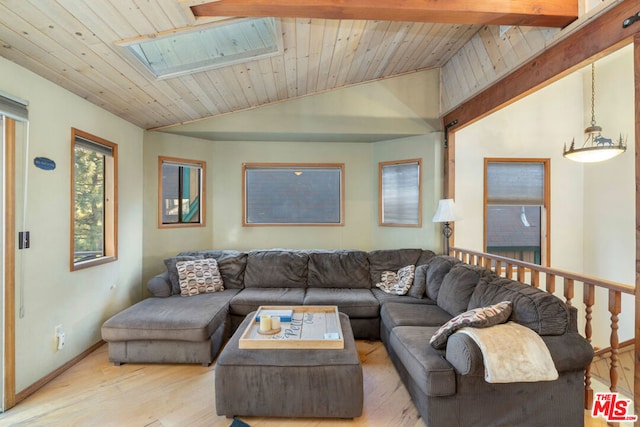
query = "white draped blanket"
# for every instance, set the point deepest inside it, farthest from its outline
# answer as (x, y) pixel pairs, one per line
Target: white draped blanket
(513, 353)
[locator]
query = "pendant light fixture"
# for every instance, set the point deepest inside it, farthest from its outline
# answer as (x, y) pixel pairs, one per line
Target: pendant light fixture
(596, 148)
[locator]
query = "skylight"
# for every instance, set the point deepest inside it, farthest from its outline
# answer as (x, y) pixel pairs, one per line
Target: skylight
(219, 45)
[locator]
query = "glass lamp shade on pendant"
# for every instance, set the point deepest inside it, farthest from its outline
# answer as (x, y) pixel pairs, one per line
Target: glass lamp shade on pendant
(596, 148)
(594, 151)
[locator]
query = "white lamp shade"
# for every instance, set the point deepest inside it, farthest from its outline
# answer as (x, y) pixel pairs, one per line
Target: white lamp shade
(445, 211)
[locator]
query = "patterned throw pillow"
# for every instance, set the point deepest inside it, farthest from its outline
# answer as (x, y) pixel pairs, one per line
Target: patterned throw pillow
(397, 283)
(481, 317)
(199, 276)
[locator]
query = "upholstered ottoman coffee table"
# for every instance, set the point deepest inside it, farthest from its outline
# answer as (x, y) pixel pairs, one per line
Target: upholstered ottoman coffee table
(289, 382)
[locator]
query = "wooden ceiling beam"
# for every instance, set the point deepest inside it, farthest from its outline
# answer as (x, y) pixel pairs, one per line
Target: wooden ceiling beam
(594, 40)
(540, 13)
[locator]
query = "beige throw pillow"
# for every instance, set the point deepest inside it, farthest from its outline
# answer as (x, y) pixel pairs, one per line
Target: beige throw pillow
(397, 283)
(199, 276)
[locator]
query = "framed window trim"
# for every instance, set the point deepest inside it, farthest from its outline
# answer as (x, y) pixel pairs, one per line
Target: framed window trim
(302, 167)
(110, 226)
(203, 194)
(545, 238)
(381, 201)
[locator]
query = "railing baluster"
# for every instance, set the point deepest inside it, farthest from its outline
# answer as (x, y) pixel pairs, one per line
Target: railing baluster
(535, 278)
(509, 273)
(615, 307)
(588, 295)
(568, 291)
(499, 268)
(550, 284)
(520, 273)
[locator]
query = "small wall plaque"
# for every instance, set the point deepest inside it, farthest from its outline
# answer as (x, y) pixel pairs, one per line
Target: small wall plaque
(44, 163)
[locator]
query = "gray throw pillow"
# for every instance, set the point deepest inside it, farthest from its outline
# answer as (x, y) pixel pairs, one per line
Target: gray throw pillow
(170, 263)
(419, 287)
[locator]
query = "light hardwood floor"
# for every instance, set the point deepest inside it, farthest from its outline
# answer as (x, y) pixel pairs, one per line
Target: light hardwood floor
(96, 393)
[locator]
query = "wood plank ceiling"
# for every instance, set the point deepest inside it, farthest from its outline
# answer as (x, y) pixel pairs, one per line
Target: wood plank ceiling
(73, 43)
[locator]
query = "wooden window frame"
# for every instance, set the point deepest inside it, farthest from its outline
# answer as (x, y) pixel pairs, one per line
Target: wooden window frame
(545, 239)
(203, 193)
(302, 166)
(381, 166)
(110, 245)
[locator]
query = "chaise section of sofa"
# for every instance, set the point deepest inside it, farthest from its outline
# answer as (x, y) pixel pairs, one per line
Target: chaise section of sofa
(175, 329)
(170, 328)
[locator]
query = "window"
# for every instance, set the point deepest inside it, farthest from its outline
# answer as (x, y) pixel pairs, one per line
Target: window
(517, 209)
(182, 192)
(94, 190)
(202, 48)
(293, 194)
(399, 193)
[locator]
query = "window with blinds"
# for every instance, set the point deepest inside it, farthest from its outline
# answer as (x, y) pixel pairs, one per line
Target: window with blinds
(182, 192)
(516, 208)
(399, 197)
(293, 194)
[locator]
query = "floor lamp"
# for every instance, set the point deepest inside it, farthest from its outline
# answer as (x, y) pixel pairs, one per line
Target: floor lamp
(446, 214)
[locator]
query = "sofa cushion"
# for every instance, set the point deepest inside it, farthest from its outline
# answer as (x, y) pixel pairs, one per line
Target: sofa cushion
(249, 299)
(384, 298)
(419, 287)
(481, 317)
(397, 283)
(172, 318)
(339, 269)
(536, 309)
(430, 371)
(458, 285)
(439, 266)
(355, 303)
(199, 276)
(394, 314)
(393, 260)
(276, 269)
(170, 263)
(231, 264)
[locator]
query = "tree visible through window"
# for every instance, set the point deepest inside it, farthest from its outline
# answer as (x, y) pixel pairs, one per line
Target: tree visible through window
(181, 192)
(94, 190)
(517, 208)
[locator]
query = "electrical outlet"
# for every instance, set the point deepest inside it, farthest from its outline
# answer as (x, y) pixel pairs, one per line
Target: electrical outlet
(60, 341)
(59, 337)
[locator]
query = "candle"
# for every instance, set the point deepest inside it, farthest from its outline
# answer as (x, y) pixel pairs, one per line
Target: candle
(265, 323)
(275, 322)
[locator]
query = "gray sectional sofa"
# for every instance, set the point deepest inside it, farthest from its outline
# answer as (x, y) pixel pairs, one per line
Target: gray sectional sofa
(447, 385)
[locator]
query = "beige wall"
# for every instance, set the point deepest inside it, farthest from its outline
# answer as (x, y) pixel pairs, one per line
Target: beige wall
(162, 243)
(79, 301)
(331, 113)
(227, 196)
(592, 205)
(429, 149)
(609, 197)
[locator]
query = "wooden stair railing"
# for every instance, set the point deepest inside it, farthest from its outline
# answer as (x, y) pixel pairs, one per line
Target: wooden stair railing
(531, 273)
